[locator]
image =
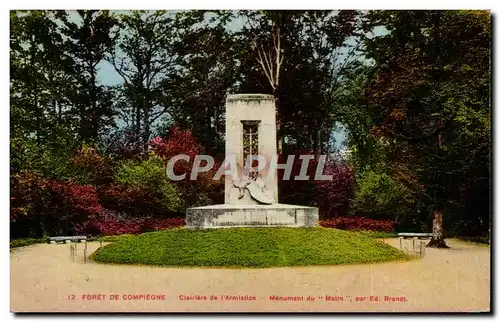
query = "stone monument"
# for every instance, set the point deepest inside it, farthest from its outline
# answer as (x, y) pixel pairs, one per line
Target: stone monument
(251, 197)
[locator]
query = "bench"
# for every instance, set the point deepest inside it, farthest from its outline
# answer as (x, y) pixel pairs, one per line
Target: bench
(415, 236)
(67, 239)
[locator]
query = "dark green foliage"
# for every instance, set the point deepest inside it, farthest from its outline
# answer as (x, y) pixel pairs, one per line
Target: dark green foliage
(143, 56)
(427, 109)
(247, 247)
(149, 176)
(382, 197)
(26, 242)
(484, 240)
(89, 41)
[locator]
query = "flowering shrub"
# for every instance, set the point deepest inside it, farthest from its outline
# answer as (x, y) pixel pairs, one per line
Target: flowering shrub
(68, 205)
(54, 208)
(358, 223)
(333, 197)
(109, 224)
(202, 191)
(137, 201)
(79, 198)
(179, 142)
(297, 192)
(130, 200)
(89, 167)
(50, 207)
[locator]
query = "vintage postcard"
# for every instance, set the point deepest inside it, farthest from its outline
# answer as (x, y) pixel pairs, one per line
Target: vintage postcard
(250, 161)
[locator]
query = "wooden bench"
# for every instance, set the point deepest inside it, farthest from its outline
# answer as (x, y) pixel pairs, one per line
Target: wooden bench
(67, 239)
(415, 237)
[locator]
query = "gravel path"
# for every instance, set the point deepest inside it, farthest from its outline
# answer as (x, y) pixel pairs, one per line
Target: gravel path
(45, 279)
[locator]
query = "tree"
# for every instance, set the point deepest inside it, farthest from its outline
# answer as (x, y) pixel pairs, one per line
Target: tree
(269, 54)
(207, 56)
(90, 39)
(30, 42)
(309, 50)
(430, 101)
(215, 57)
(143, 57)
(41, 82)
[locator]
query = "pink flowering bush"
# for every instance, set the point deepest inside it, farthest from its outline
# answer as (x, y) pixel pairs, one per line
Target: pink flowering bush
(359, 223)
(50, 207)
(202, 191)
(333, 197)
(89, 167)
(109, 224)
(178, 142)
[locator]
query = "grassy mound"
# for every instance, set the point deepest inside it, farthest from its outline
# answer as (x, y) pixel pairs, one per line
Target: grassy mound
(247, 247)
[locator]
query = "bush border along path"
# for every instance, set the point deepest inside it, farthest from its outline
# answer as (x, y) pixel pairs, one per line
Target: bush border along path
(21, 242)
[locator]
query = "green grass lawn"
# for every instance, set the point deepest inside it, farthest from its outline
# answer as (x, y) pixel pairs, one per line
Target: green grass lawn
(247, 247)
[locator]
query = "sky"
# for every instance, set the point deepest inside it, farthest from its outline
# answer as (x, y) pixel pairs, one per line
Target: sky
(107, 75)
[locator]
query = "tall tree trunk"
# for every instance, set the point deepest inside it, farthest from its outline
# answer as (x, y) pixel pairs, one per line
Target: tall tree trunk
(316, 138)
(38, 115)
(138, 119)
(328, 137)
(147, 128)
(216, 127)
(57, 110)
(210, 133)
(318, 144)
(437, 239)
(277, 104)
(94, 131)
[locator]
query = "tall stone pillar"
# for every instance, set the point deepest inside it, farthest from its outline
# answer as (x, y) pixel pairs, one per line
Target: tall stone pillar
(250, 130)
(243, 112)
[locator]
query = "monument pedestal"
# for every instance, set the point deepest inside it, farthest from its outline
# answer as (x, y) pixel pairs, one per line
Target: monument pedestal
(224, 215)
